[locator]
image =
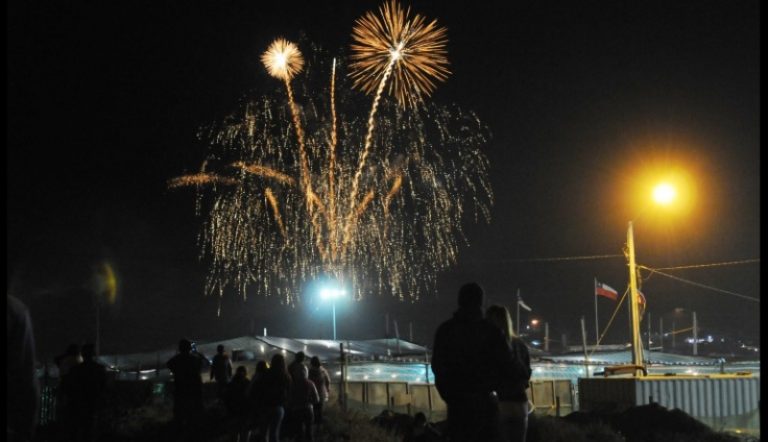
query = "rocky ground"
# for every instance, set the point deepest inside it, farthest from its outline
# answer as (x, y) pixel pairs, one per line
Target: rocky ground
(652, 423)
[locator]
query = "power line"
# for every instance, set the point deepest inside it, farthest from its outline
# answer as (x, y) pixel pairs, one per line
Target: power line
(715, 289)
(716, 264)
(562, 258)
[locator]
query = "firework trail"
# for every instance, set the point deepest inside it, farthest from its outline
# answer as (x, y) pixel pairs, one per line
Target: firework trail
(383, 42)
(332, 168)
(283, 60)
(276, 218)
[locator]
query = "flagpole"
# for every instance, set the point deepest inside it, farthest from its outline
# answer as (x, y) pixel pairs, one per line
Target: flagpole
(597, 329)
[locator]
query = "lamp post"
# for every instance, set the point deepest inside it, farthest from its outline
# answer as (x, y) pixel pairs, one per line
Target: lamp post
(332, 294)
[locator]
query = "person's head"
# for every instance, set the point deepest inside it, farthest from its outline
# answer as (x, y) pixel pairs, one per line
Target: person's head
(419, 419)
(185, 346)
(88, 351)
(315, 362)
(299, 358)
(262, 367)
(220, 349)
(72, 350)
(278, 363)
(241, 372)
(499, 316)
(471, 296)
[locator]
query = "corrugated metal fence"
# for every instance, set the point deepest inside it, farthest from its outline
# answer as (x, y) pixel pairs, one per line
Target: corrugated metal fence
(550, 397)
(730, 402)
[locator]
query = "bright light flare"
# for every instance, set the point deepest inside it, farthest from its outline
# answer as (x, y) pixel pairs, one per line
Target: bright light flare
(664, 194)
(330, 293)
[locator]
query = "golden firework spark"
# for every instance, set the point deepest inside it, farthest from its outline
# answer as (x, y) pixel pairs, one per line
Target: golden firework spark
(283, 59)
(266, 172)
(199, 179)
(412, 48)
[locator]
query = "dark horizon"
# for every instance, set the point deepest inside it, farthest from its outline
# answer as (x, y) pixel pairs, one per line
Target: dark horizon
(105, 101)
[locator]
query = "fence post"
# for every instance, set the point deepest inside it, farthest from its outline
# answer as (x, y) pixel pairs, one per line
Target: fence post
(343, 380)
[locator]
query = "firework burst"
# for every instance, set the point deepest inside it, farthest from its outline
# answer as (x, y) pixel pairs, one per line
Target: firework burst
(412, 49)
(276, 219)
(283, 59)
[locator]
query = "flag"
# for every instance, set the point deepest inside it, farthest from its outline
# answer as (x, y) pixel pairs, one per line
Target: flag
(521, 303)
(606, 290)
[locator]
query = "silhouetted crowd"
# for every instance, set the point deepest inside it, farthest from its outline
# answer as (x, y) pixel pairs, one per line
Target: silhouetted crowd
(481, 371)
(278, 401)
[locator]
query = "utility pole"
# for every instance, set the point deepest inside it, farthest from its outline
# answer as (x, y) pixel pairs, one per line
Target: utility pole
(695, 336)
(649, 331)
(661, 334)
(674, 332)
(584, 345)
(517, 321)
(546, 336)
(637, 343)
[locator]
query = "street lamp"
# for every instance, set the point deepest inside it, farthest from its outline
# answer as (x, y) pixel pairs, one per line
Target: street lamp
(332, 294)
(664, 194)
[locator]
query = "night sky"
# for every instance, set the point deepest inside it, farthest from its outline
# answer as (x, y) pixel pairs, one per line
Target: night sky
(582, 99)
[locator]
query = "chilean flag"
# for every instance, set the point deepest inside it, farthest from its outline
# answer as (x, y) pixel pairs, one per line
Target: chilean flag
(641, 302)
(606, 290)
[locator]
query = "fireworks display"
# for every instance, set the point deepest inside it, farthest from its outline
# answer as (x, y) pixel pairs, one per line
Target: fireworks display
(305, 188)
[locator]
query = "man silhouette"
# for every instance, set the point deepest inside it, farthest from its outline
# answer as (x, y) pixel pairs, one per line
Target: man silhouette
(221, 369)
(470, 359)
(188, 384)
(22, 388)
(89, 381)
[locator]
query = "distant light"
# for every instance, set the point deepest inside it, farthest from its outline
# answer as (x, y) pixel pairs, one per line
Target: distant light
(664, 193)
(331, 293)
(365, 377)
(394, 376)
(378, 371)
(534, 322)
(338, 373)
